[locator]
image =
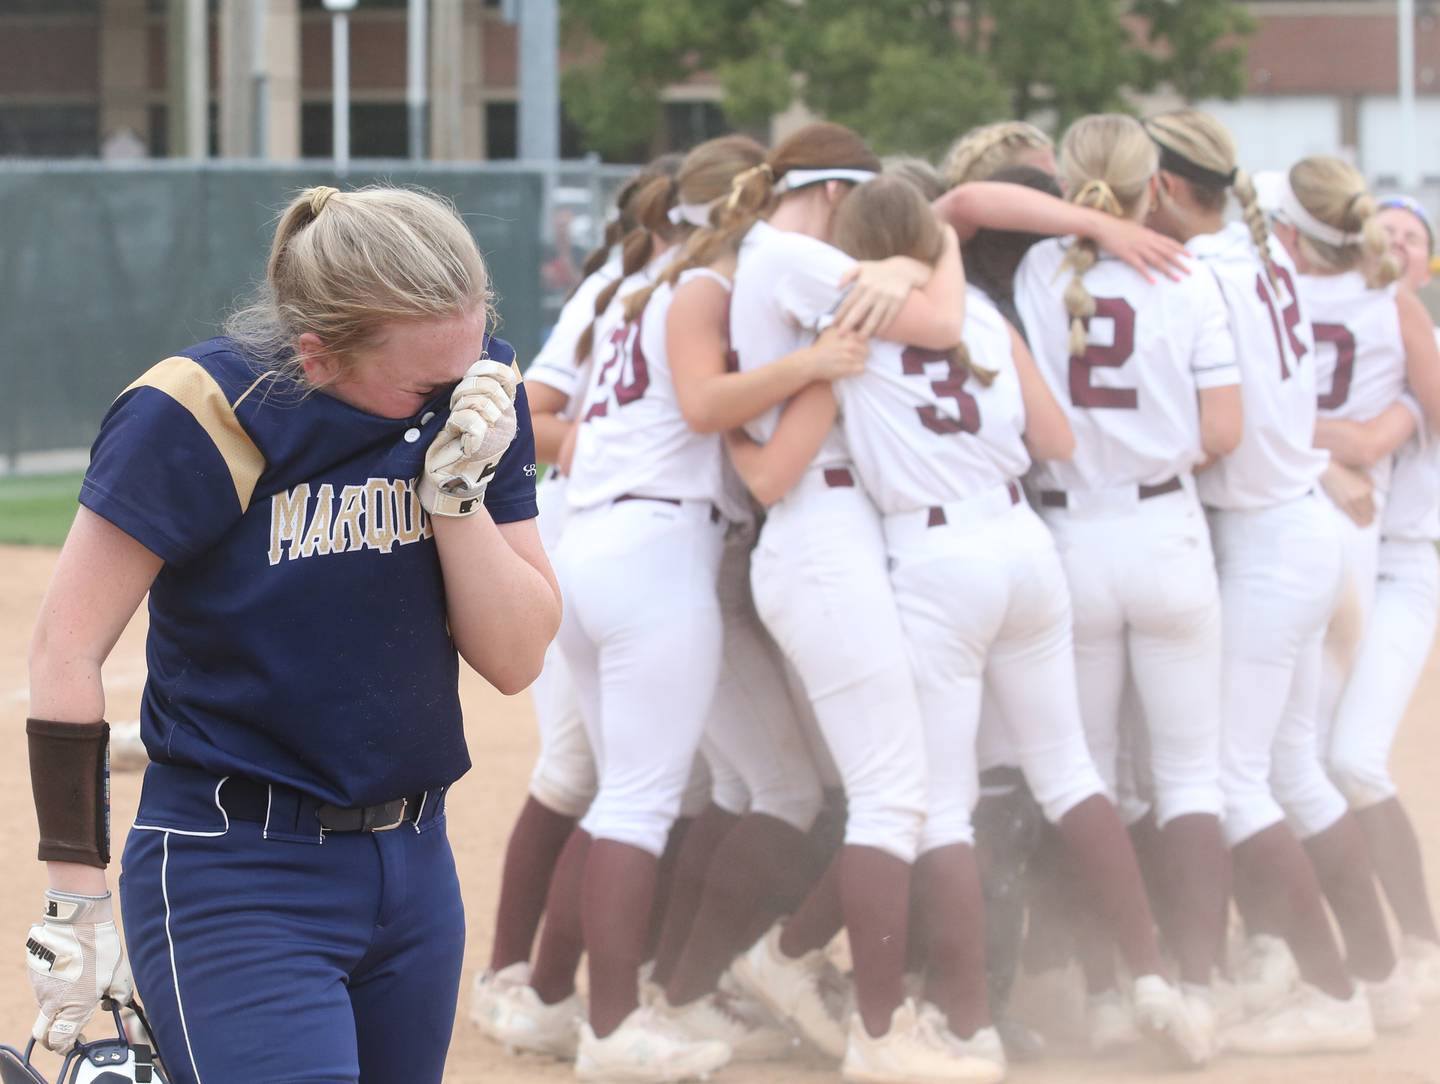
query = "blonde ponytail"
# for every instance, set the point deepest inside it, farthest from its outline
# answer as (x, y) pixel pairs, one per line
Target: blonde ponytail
(983, 151)
(1334, 193)
(1199, 150)
(1107, 161)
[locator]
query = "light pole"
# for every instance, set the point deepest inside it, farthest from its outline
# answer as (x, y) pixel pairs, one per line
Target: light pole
(416, 46)
(340, 63)
(1410, 169)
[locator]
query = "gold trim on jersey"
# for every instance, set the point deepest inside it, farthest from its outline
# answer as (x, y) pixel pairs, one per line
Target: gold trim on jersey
(187, 382)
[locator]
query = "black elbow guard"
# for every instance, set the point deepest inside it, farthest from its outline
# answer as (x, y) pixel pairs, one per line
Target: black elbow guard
(70, 777)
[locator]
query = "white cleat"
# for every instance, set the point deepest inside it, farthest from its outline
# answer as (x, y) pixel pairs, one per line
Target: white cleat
(746, 1030)
(1309, 1021)
(647, 1048)
(1110, 1022)
(1266, 972)
(793, 991)
(985, 1045)
(488, 994)
(1422, 961)
(914, 1052)
(1182, 1022)
(1394, 1004)
(127, 751)
(520, 1021)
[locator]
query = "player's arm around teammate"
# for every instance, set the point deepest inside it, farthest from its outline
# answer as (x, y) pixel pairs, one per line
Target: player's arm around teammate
(270, 489)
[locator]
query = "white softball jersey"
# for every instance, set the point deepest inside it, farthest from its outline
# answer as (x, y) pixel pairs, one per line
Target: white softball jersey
(1412, 512)
(1359, 355)
(923, 430)
(633, 439)
(556, 365)
(786, 283)
(1132, 396)
(1276, 460)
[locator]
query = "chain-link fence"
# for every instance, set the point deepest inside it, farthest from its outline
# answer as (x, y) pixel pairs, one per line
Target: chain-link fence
(106, 269)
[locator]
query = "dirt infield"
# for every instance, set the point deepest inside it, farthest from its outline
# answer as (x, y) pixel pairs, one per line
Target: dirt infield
(502, 738)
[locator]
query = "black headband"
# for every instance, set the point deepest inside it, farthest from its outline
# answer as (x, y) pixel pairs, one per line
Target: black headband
(1172, 161)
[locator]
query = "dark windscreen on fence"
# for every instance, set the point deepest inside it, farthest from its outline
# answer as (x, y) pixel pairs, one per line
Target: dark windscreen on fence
(105, 271)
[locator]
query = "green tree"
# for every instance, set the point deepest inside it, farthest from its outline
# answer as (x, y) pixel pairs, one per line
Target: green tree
(1196, 46)
(909, 74)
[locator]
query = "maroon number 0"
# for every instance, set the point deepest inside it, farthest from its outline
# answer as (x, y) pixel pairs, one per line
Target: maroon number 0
(1122, 344)
(1344, 342)
(950, 386)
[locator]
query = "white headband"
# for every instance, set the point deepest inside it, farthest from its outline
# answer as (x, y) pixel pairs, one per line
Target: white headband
(696, 214)
(1293, 211)
(798, 178)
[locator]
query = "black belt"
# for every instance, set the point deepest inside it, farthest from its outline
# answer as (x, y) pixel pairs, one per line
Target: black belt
(1056, 498)
(936, 517)
(714, 512)
(247, 800)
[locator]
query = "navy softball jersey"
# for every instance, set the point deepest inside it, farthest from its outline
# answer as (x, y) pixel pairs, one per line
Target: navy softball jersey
(297, 630)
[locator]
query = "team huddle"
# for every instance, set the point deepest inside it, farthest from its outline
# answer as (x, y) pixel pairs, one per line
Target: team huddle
(1080, 589)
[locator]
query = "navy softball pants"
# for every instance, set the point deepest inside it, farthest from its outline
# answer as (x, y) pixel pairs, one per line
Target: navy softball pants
(264, 953)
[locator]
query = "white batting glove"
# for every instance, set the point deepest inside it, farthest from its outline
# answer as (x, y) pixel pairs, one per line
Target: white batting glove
(75, 959)
(468, 450)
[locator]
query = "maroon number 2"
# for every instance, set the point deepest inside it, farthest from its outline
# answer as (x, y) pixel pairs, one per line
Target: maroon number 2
(950, 386)
(1083, 393)
(1344, 343)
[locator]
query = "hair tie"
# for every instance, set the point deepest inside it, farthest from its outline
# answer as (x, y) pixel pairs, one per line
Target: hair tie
(737, 186)
(319, 197)
(1108, 203)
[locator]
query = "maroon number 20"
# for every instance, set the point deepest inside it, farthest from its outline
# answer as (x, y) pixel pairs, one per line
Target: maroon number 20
(625, 353)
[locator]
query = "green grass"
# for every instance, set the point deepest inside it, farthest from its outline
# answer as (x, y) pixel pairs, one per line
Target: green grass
(36, 510)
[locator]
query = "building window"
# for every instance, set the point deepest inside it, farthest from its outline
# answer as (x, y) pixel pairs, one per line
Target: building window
(689, 123)
(49, 131)
(502, 136)
(377, 130)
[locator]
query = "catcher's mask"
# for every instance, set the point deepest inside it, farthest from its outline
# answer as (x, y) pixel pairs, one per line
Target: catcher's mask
(115, 1060)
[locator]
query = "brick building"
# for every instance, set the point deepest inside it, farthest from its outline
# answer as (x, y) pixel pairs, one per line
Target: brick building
(77, 75)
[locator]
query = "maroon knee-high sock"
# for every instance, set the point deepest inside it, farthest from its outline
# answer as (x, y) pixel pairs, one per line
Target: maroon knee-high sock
(1395, 851)
(1103, 866)
(687, 886)
(875, 900)
(617, 897)
(1342, 863)
(818, 918)
(1197, 882)
(947, 881)
(562, 941)
(665, 882)
(761, 863)
(1150, 854)
(1286, 896)
(534, 848)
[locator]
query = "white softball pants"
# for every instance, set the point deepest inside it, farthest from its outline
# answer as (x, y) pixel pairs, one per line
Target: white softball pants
(642, 635)
(564, 775)
(823, 592)
(1279, 572)
(1392, 655)
(1142, 584)
(1360, 555)
(754, 743)
(983, 603)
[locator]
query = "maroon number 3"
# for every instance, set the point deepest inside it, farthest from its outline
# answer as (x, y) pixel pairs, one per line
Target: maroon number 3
(951, 385)
(1344, 343)
(1083, 393)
